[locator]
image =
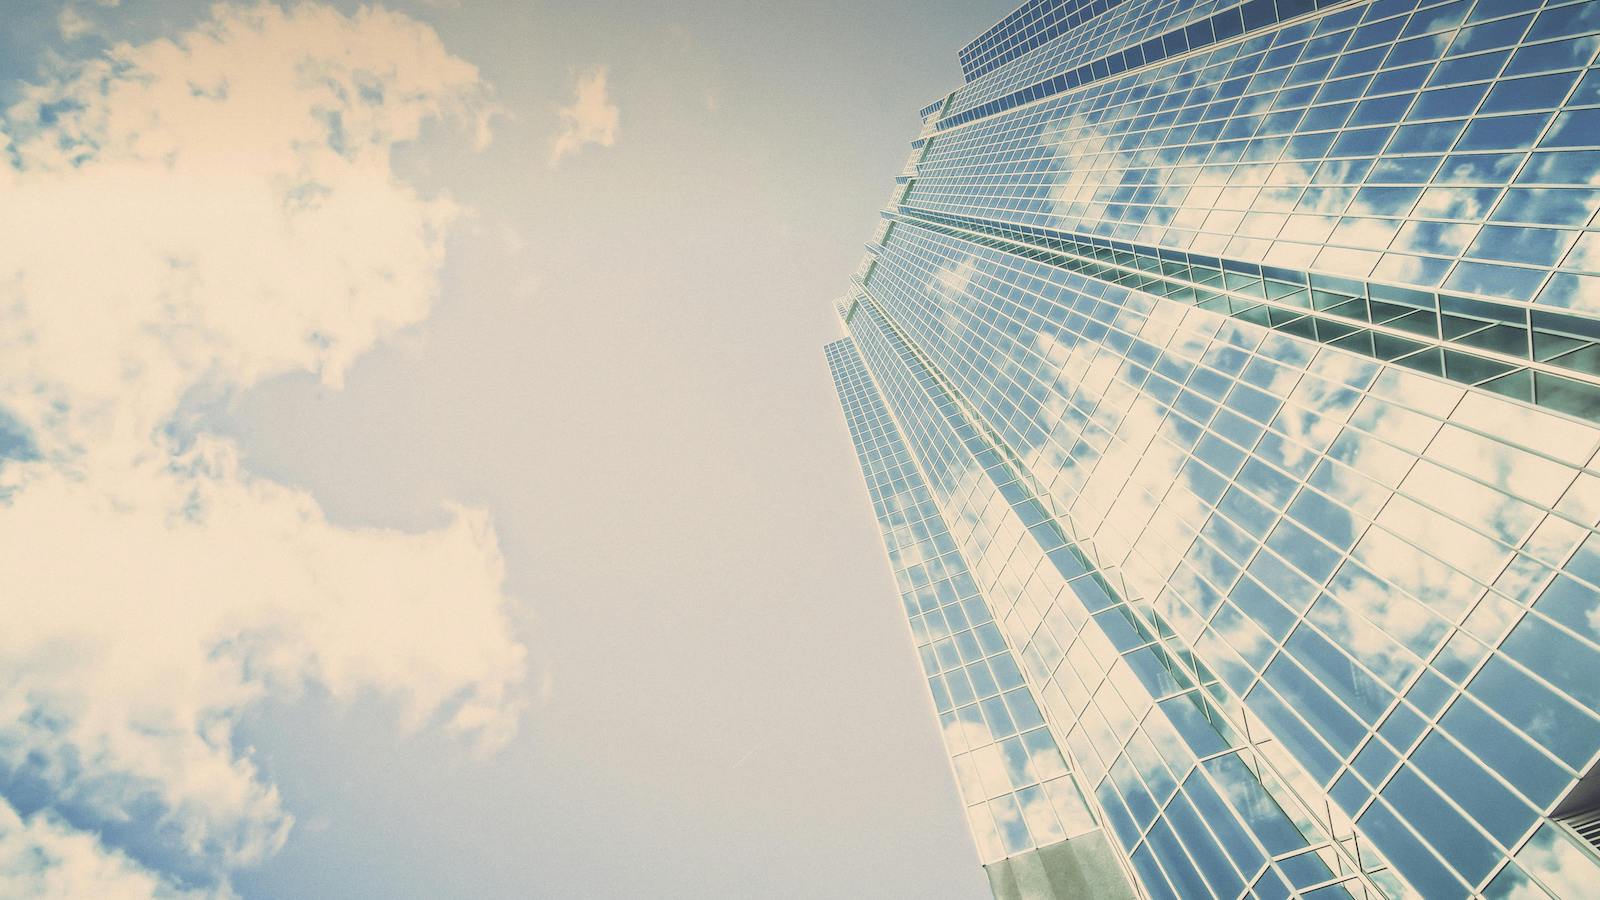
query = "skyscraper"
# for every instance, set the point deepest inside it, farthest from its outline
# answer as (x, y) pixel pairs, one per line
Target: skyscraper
(1226, 380)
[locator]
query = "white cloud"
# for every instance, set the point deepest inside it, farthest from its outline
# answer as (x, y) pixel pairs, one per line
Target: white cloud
(956, 279)
(43, 858)
(591, 118)
(72, 24)
(190, 217)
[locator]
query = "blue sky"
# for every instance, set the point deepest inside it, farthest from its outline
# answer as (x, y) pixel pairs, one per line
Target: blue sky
(439, 489)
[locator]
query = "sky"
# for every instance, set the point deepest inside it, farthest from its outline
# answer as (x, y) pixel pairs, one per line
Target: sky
(422, 476)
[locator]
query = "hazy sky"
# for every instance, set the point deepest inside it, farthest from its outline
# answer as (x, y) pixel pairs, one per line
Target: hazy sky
(432, 485)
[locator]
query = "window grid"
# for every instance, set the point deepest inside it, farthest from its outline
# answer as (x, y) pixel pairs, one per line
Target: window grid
(990, 551)
(1218, 381)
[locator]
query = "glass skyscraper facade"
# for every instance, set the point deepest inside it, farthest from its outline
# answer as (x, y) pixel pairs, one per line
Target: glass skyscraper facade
(1226, 380)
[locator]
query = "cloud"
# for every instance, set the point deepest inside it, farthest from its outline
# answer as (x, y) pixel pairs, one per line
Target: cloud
(591, 119)
(44, 858)
(72, 24)
(956, 279)
(183, 219)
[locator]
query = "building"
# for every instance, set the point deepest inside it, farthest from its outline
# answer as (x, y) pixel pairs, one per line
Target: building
(1225, 378)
